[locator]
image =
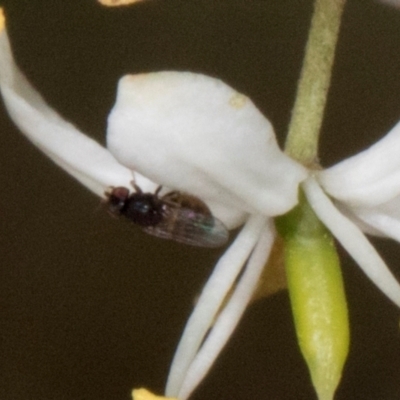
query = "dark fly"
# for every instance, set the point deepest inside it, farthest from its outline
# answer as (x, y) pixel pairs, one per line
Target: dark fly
(175, 215)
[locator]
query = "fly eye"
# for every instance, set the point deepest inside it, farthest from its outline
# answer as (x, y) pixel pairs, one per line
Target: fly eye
(141, 207)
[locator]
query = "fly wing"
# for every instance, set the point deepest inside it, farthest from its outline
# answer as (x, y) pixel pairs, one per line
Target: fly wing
(189, 227)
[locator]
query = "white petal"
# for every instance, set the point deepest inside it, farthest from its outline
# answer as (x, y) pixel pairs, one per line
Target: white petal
(352, 214)
(211, 299)
(368, 186)
(386, 224)
(353, 240)
(80, 156)
(369, 178)
(229, 316)
(382, 220)
(196, 134)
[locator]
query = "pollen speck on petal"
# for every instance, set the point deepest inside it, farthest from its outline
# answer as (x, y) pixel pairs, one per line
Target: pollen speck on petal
(238, 100)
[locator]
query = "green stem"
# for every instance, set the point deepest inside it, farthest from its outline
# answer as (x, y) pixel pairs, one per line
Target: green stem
(312, 266)
(304, 127)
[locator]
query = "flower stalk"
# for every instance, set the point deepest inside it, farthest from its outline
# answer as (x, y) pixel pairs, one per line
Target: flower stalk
(307, 114)
(312, 265)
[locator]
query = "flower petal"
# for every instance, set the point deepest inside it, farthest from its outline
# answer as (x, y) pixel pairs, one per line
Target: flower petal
(118, 3)
(212, 297)
(144, 394)
(383, 220)
(368, 186)
(80, 156)
(353, 240)
(229, 317)
(369, 178)
(196, 134)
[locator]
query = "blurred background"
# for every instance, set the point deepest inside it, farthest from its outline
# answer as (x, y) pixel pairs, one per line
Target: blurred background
(91, 307)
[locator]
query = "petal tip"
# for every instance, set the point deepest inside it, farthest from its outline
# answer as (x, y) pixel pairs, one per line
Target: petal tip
(2, 20)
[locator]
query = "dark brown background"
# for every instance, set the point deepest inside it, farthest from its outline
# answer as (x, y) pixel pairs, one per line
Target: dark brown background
(90, 308)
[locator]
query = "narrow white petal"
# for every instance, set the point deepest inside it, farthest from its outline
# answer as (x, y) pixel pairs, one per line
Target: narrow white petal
(352, 214)
(386, 224)
(230, 316)
(80, 156)
(196, 134)
(381, 220)
(369, 178)
(211, 299)
(353, 240)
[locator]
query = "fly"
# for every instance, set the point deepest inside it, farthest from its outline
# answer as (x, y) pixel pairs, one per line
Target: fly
(177, 216)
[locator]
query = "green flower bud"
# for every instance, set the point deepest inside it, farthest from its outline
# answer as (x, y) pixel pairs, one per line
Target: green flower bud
(317, 296)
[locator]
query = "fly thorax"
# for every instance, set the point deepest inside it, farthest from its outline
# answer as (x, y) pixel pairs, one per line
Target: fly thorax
(144, 209)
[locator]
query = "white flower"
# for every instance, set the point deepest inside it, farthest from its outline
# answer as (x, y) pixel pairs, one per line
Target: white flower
(195, 134)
